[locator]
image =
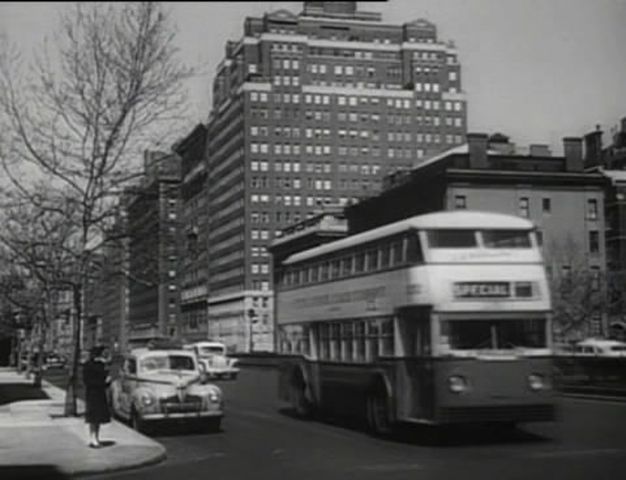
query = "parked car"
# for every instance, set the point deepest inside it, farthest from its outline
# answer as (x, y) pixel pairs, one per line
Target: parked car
(599, 347)
(54, 361)
(160, 385)
(214, 359)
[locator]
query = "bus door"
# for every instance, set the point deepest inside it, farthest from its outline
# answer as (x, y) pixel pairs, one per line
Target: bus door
(415, 391)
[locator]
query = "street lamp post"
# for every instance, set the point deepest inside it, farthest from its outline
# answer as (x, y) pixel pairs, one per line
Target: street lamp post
(252, 315)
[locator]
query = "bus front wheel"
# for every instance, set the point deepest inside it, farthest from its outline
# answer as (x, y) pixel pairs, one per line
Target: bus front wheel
(378, 415)
(300, 404)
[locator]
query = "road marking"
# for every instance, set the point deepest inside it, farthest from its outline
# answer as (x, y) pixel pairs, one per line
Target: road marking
(575, 453)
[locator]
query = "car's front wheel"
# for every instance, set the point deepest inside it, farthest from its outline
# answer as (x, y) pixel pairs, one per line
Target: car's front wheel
(136, 422)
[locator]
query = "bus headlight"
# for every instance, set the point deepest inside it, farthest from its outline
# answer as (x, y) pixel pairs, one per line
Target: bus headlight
(536, 382)
(457, 383)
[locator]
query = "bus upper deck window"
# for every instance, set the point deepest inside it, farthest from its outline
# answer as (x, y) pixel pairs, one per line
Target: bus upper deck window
(413, 249)
(359, 262)
(335, 268)
(324, 268)
(384, 256)
(346, 266)
(372, 260)
(314, 273)
(506, 238)
(452, 238)
(396, 253)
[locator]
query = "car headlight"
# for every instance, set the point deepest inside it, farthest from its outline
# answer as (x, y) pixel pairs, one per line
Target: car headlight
(214, 396)
(457, 383)
(147, 400)
(537, 382)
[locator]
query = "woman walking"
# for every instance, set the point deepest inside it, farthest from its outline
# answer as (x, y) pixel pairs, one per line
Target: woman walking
(96, 380)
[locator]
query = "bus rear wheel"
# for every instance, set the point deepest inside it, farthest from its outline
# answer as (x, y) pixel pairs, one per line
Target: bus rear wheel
(378, 415)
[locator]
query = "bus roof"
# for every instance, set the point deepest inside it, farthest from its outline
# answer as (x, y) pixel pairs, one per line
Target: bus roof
(458, 219)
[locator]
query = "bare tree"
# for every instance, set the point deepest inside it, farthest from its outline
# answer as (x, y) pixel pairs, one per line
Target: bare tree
(578, 290)
(35, 260)
(110, 87)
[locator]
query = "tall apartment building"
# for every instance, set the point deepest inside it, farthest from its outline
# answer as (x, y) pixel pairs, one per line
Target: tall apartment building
(308, 110)
(153, 250)
(115, 285)
(193, 254)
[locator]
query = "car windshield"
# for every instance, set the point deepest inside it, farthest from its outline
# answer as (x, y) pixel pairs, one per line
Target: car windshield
(156, 363)
(619, 348)
(211, 350)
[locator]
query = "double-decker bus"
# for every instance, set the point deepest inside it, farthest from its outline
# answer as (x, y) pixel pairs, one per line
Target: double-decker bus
(442, 318)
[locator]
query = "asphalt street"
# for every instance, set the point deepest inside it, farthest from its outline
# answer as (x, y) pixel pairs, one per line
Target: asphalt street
(260, 440)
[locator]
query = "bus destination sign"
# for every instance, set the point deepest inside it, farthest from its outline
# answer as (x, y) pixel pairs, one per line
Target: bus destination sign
(482, 289)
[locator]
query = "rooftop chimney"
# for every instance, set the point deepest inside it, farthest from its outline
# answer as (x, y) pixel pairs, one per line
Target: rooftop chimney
(538, 150)
(573, 151)
(593, 148)
(477, 149)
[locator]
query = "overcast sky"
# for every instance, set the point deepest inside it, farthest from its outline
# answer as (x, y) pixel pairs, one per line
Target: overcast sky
(536, 70)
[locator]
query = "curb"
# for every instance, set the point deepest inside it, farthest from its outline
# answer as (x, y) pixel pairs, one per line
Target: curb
(157, 457)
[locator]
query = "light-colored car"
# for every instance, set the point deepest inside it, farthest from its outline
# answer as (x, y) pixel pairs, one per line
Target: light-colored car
(160, 385)
(214, 360)
(599, 347)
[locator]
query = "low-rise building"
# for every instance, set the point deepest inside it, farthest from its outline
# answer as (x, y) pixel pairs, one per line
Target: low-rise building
(565, 203)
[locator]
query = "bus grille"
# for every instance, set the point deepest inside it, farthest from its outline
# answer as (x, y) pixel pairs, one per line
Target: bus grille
(518, 413)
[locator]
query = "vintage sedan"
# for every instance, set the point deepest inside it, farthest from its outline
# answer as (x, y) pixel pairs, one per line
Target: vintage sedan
(160, 385)
(600, 347)
(213, 359)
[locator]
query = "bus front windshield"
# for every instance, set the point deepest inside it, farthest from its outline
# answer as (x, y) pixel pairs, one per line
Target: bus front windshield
(494, 334)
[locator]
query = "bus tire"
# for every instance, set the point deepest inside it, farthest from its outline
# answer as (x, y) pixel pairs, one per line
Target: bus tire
(378, 414)
(300, 404)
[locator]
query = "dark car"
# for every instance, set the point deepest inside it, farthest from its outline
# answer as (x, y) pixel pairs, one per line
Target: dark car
(54, 361)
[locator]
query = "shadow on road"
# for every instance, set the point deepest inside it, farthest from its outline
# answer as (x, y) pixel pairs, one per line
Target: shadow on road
(23, 472)
(107, 443)
(466, 435)
(436, 436)
(174, 429)
(15, 392)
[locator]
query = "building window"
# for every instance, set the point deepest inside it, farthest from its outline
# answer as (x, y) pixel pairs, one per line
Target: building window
(524, 210)
(460, 202)
(594, 241)
(547, 205)
(592, 209)
(595, 278)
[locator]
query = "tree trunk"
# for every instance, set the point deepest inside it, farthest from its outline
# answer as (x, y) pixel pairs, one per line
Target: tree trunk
(71, 409)
(40, 356)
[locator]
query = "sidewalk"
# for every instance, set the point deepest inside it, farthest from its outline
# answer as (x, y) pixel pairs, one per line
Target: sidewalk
(35, 439)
